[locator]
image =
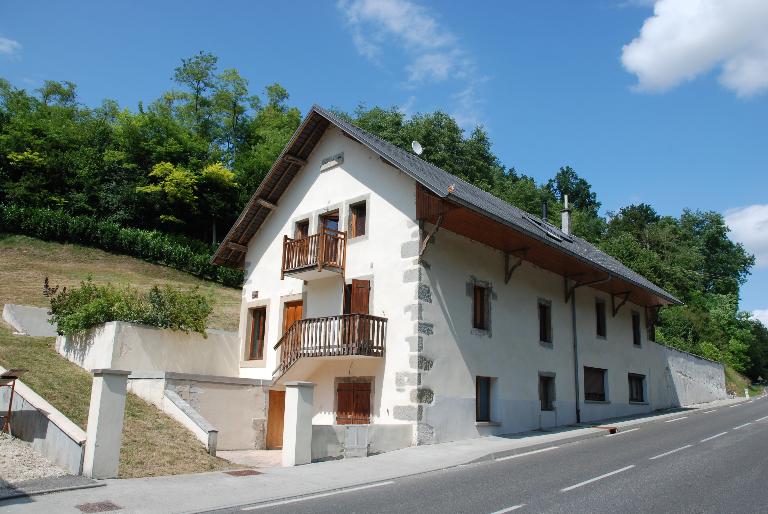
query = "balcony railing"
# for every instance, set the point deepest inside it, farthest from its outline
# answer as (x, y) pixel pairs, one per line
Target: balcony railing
(348, 334)
(326, 250)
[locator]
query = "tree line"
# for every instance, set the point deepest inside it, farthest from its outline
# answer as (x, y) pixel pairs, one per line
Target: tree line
(187, 162)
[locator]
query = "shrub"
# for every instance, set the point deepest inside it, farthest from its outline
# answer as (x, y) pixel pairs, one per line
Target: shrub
(177, 252)
(91, 305)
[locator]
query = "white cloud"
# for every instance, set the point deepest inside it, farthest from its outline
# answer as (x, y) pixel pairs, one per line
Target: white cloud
(9, 47)
(762, 315)
(433, 53)
(749, 226)
(687, 38)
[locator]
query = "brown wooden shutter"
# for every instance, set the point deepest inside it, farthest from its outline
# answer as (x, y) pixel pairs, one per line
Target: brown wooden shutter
(360, 294)
(361, 399)
(345, 403)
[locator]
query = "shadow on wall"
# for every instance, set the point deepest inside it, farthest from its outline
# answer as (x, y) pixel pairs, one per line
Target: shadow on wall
(80, 344)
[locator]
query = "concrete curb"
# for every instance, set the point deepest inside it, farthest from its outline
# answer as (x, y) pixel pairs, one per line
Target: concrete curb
(32, 491)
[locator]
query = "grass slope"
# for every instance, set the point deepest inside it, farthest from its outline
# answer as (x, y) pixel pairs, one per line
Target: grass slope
(153, 443)
(735, 383)
(25, 262)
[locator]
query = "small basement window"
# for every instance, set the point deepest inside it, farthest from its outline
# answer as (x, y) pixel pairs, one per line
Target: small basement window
(636, 328)
(258, 318)
(480, 307)
(600, 317)
(545, 321)
(357, 218)
(636, 388)
(594, 384)
(483, 399)
(547, 392)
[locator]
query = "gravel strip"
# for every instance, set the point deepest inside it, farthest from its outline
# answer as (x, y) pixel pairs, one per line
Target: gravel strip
(19, 462)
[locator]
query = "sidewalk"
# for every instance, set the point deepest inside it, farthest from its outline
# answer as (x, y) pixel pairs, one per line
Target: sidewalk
(194, 493)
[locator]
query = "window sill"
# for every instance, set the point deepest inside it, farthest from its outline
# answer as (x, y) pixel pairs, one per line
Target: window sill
(547, 344)
(637, 403)
(253, 363)
(638, 346)
(487, 424)
(601, 402)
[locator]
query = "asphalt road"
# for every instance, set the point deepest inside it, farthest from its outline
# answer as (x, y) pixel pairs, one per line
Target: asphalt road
(699, 461)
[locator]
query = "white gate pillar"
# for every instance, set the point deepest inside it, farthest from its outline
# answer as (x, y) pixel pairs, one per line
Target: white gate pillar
(105, 423)
(297, 423)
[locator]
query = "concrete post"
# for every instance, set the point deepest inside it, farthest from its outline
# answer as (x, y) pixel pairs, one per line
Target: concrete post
(297, 423)
(105, 423)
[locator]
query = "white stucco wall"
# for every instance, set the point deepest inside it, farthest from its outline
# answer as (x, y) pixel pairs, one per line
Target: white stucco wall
(386, 255)
(454, 354)
(139, 348)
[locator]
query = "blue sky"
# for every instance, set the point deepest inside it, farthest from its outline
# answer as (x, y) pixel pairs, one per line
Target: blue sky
(673, 116)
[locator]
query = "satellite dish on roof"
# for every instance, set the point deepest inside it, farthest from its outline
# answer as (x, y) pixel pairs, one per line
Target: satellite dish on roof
(417, 149)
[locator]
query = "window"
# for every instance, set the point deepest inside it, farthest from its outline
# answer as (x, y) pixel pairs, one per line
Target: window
(636, 388)
(547, 392)
(651, 328)
(357, 219)
(636, 328)
(545, 321)
(480, 307)
(329, 221)
(594, 384)
(301, 230)
(353, 402)
(258, 319)
(483, 399)
(600, 317)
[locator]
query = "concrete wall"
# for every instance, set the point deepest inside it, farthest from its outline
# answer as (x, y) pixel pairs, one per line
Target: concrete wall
(51, 433)
(234, 407)
(453, 354)
(387, 255)
(139, 348)
(328, 441)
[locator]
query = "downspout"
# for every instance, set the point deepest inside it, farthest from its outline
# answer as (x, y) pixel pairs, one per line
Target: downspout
(575, 357)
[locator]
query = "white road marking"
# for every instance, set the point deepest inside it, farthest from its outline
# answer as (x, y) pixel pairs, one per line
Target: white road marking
(761, 419)
(735, 405)
(671, 452)
(509, 509)
(708, 411)
(320, 495)
(623, 432)
(676, 419)
(742, 426)
(713, 437)
(580, 484)
(526, 453)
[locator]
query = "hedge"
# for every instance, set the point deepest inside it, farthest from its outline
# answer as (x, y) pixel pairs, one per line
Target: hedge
(150, 245)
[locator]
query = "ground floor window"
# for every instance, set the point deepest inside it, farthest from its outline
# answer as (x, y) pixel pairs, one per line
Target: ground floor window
(547, 392)
(636, 388)
(594, 384)
(353, 402)
(483, 399)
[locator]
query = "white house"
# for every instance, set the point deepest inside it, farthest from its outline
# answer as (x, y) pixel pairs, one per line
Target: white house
(429, 310)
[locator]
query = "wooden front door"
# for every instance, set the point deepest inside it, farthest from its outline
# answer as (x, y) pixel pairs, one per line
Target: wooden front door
(275, 417)
(353, 400)
(292, 311)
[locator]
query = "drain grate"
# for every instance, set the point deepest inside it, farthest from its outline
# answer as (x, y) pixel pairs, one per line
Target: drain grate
(98, 507)
(243, 472)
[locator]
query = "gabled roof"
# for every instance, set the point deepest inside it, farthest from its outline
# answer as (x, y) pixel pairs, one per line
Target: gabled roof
(439, 182)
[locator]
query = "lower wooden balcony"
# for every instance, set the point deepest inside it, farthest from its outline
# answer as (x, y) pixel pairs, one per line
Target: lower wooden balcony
(316, 256)
(333, 337)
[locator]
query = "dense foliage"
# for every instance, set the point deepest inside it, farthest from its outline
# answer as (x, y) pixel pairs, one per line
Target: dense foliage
(176, 251)
(186, 163)
(91, 305)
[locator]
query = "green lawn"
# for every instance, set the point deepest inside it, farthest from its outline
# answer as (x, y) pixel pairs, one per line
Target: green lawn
(153, 443)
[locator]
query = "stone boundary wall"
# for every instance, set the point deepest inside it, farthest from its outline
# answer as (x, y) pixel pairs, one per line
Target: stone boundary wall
(52, 434)
(329, 441)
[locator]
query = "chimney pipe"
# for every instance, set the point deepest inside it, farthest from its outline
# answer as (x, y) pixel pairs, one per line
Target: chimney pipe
(566, 217)
(544, 210)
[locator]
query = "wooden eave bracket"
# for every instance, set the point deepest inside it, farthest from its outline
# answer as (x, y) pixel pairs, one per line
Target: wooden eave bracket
(431, 234)
(569, 290)
(293, 159)
(615, 308)
(264, 203)
(508, 270)
(237, 247)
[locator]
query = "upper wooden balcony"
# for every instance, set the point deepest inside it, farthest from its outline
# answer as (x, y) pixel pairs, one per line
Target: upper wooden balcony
(316, 256)
(335, 337)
